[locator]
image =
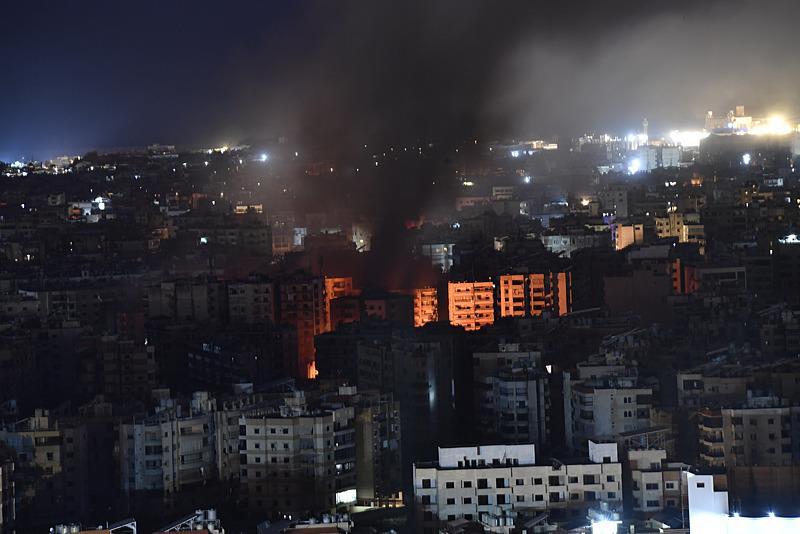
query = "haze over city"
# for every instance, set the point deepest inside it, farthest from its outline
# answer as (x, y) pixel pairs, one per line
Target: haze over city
(372, 267)
(100, 75)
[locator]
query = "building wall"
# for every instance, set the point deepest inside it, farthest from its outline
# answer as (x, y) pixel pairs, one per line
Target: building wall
(471, 304)
(426, 306)
(505, 483)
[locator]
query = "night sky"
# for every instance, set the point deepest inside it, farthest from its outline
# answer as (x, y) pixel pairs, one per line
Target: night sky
(79, 75)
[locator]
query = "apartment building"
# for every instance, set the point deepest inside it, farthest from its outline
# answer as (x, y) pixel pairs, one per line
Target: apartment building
(654, 483)
(119, 368)
(758, 443)
(295, 459)
(336, 287)
(303, 305)
(495, 485)
(471, 304)
(602, 408)
(251, 301)
(170, 450)
(200, 300)
(426, 306)
(511, 395)
(522, 295)
(51, 467)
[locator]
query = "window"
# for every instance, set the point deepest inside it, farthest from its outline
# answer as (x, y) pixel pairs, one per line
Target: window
(519, 482)
(451, 501)
(610, 478)
(651, 486)
(574, 496)
(588, 479)
(573, 480)
(537, 481)
(701, 485)
(483, 500)
(426, 499)
(501, 498)
(612, 494)
(467, 484)
(553, 481)
(500, 483)
(482, 483)
(451, 517)
(539, 498)
(653, 504)
(669, 485)
(467, 500)
(449, 485)
(520, 498)
(426, 483)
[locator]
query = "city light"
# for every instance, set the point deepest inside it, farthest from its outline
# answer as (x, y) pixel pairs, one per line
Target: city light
(687, 138)
(263, 158)
(746, 159)
(634, 166)
(515, 153)
(775, 125)
(585, 202)
(790, 239)
(605, 526)
(527, 179)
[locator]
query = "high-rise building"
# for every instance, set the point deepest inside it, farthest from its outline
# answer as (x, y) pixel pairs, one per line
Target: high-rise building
(295, 459)
(522, 295)
(251, 301)
(334, 289)
(471, 304)
(605, 407)
(303, 305)
(171, 449)
(426, 306)
(511, 395)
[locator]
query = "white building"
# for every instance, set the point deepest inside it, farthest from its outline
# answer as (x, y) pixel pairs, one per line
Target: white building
(655, 483)
(496, 484)
(602, 408)
(709, 512)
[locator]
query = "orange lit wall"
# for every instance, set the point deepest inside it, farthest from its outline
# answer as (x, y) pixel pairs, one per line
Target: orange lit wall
(426, 306)
(471, 304)
(544, 291)
(512, 295)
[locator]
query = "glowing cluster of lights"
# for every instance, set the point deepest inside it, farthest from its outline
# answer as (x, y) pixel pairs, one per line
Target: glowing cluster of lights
(687, 138)
(640, 138)
(775, 125)
(634, 166)
(790, 239)
(605, 526)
